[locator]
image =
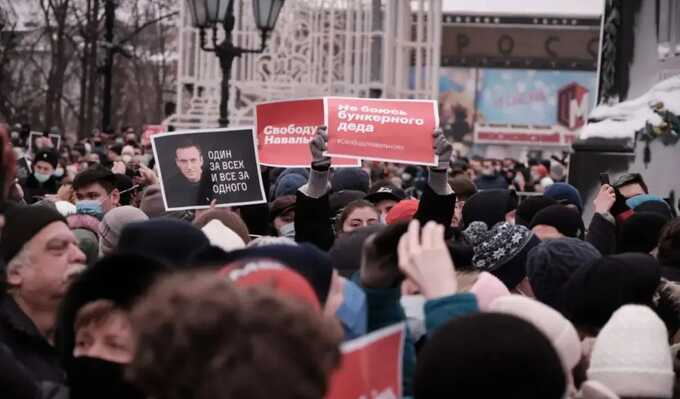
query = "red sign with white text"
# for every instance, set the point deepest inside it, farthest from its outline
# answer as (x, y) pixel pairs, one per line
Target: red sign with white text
(150, 131)
(382, 130)
(371, 366)
(284, 130)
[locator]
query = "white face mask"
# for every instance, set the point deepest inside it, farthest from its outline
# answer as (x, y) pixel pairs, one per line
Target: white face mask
(59, 172)
(126, 158)
(40, 177)
(287, 230)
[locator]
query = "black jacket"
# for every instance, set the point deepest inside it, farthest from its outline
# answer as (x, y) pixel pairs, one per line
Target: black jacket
(602, 234)
(182, 193)
(34, 190)
(21, 337)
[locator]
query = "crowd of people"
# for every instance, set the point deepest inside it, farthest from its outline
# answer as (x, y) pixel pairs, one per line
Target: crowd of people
(105, 294)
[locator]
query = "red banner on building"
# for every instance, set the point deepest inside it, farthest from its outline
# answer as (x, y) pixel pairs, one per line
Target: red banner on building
(382, 130)
(371, 366)
(284, 130)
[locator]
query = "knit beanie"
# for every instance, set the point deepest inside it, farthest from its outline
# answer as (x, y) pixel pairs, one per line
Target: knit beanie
(22, 223)
(502, 251)
(170, 241)
(350, 179)
(313, 264)
(631, 355)
(281, 206)
(487, 289)
(634, 202)
(594, 292)
(660, 208)
(463, 187)
(112, 225)
(489, 206)
(641, 232)
(221, 236)
(404, 211)
(530, 207)
(83, 221)
(564, 193)
(556, 328)
(339, 200)
(273, 275)
(229, 219)
(289, 184)
(88, 243)
(551, 263)
(346, 251)
(489, 356)
(152, 202)
(566, 220)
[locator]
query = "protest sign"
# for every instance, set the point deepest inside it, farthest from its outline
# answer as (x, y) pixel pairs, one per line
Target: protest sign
(371, 366)
(198, 166)
(382, 130)
(284, 130)
(149, 131)
(34, 136)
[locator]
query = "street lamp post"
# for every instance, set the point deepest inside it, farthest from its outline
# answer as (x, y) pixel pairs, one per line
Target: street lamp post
(207, 14)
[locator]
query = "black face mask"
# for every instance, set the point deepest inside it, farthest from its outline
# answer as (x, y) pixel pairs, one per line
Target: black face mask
(96, 378)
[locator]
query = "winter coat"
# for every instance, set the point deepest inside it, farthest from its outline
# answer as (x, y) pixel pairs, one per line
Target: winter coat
(602, 234)
(34, 190)
(27, 345)
(491, 182)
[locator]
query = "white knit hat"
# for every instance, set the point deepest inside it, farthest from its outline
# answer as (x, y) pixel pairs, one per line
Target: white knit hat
(550, 322)
(222, 236)
(632, 356)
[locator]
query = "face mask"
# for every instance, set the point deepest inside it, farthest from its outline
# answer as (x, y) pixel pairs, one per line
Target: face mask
(126, 158)
(119, 140)
(383, 218)
(97, 378)
(287, 230)
(90, 207)
(59, 172)
(352, 312)
(42, 178)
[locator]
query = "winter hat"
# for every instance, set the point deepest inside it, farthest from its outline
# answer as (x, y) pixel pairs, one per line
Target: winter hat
(113, 223)
(489, 206)
(271, 240)
(273, 275)
(65, 208)
(152, 202)
(641, 232)
(22, 223)
(660, 208)
(281, 206)
(502, 251)
(463, 187)
(49, 156)
(488, 288)
(566, 220)
(564, 193)
(350, 179)
(385, 190)
(82, 221)
(530, 207)
(404, 211)
(289, 184)
(486, 356)
(634, 202)
(221, 236)
(595, 291)
(229, 219)
(121, 279)
(631, 355)
(552, 262)
(339, 200)
(168, 240)
(559, 330)
(346, 251)
(313, 264)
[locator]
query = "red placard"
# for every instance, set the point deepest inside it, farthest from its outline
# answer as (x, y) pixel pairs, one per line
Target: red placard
(371, 366)
(284, 130)
(149, 131)
(382, 130)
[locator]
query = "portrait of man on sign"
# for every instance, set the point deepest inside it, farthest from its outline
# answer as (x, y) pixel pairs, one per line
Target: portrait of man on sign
(189, 187)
